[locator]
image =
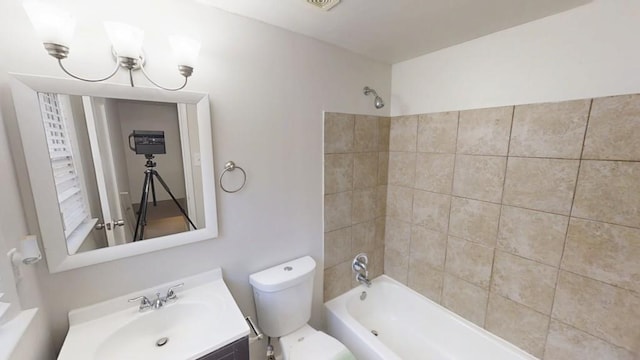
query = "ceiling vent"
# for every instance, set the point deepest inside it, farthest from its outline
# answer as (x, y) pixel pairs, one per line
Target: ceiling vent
(325, 5)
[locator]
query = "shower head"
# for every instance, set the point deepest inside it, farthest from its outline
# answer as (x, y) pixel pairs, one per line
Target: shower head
(378, 103)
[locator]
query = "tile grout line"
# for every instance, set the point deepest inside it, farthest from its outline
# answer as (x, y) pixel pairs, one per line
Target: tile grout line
(517, 206)
(446, 244)
(566, 234)
(504, 181)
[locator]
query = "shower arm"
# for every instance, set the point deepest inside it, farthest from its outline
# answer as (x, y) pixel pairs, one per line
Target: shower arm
(367, 90)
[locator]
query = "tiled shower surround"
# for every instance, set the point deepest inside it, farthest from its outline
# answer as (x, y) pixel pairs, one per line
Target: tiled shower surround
(355, 176)
(523, 219)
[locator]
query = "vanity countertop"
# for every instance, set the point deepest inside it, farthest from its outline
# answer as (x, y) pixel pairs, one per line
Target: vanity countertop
(204, 318)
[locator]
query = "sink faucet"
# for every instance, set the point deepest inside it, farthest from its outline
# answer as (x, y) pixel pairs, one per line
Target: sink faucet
(158, 303)
(359, 266)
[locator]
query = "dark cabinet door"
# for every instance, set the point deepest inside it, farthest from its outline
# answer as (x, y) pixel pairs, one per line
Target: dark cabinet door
(238, 350)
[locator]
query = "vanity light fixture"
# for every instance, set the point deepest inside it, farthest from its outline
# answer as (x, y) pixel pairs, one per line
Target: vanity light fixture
(55, 28)
(28, 254)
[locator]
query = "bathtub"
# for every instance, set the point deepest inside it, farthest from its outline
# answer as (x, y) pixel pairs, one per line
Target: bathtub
(409, 327)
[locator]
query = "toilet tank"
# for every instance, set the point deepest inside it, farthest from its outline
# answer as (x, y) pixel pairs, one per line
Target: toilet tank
(283, 296)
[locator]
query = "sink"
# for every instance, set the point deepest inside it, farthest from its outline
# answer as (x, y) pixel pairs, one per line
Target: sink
(204, 318)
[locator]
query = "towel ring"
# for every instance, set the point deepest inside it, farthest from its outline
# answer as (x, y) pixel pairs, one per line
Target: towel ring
(230, 166)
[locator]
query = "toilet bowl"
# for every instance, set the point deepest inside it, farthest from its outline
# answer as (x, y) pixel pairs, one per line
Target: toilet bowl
(283, 296)
(308, 343)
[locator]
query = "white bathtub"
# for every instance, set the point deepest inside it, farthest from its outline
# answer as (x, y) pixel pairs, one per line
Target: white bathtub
(409, 327)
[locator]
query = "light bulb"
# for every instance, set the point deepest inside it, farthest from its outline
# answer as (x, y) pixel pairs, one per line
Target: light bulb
(185, 50)
(52, 24)
(125, 39)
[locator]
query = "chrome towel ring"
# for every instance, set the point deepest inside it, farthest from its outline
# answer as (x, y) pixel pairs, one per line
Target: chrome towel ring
(231, 166)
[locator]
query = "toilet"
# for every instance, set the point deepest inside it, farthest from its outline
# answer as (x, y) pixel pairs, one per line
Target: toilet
(283, 297)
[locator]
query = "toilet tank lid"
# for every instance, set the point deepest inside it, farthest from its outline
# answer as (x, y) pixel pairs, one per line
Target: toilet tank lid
(284, 275)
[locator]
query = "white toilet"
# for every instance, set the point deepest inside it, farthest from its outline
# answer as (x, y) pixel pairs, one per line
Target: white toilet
(283, 297)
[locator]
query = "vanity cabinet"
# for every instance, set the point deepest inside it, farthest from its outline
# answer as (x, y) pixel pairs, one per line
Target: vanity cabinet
(238, 350)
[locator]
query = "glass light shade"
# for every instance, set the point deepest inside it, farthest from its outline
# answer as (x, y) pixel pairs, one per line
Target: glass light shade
(30, 250)
(185, 50)
(52, 24)
(125, 39)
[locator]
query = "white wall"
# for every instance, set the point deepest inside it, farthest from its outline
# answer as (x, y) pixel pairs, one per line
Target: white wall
(268, 89)
(590, 51)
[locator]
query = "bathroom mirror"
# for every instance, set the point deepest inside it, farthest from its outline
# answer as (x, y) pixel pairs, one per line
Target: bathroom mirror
(115, 171)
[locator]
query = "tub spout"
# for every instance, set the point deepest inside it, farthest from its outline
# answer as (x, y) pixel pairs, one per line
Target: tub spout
(362, 279)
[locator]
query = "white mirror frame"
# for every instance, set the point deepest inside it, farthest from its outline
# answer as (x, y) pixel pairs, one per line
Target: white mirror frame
(25, 89)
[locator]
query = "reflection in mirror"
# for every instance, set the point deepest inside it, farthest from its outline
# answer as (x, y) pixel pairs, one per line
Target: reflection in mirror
(99, 186)
(124, 170)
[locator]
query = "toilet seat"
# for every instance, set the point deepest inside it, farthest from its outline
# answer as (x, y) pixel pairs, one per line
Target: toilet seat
(308, 343)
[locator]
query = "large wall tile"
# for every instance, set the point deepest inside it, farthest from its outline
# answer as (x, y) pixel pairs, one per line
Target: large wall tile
(363, 238)
(365, 133)
(337, 247)
(365, 170)
(434, 172)
(465, 299)
(437, 133)
(485, 131)
(599, 309)
(396, 265)
(552, 130)
(517, 324)
(398, 237)
(541, 184)
(524, 281)
(399, 203)
(402, 169)
(532, 234)
(604, 252)
(428, 246)
(469, 261)
(474, 220)
(431, 210)
(568, 343)
(338, 133)
(479, 177)
(384, 129)
(614, 129)
(337, 280)
(425, 279)
(404, 133)
(376, 263)
(338, 173)
(609, 191)
(381, 200)
(364, 205)
(381, 224)
(337, 210)
(383, 168)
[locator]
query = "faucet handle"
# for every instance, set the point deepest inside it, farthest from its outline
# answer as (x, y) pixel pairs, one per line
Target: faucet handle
(360, 262)
(171, 294)
(145, 303)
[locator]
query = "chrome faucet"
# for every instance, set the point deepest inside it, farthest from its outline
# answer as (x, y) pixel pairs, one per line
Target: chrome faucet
(362, 279)
(158, 303)
(359, 266)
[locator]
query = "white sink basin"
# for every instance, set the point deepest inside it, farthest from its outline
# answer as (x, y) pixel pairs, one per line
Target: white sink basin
(204, 318)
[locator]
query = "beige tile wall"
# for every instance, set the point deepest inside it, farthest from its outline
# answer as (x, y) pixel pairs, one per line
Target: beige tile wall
(524, 220)
(355, 186)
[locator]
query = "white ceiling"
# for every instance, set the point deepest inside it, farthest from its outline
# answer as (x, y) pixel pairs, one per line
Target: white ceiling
(395, 30)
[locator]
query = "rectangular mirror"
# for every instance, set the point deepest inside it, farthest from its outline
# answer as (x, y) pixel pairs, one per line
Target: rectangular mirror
(115, 171)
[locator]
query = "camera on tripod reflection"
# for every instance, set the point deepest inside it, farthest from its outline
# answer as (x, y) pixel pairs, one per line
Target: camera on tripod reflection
(150, 143)
(147, 142)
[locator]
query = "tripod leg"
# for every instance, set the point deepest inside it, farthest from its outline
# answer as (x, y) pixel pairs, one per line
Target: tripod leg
(142, 211)
(153, 193)
(166, 187)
